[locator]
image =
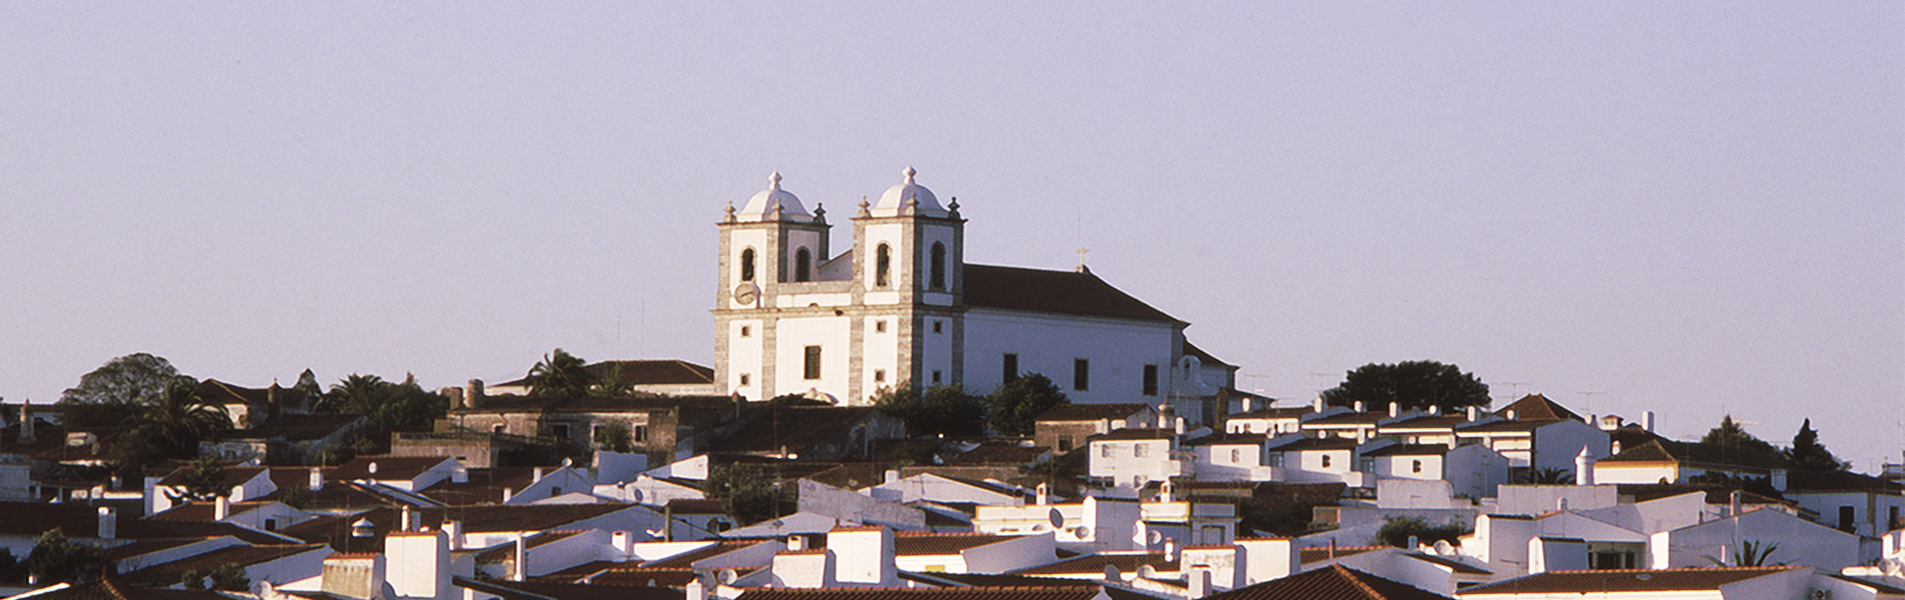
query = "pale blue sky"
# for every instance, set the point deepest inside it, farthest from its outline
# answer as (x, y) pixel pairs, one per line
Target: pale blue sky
(1689, 207)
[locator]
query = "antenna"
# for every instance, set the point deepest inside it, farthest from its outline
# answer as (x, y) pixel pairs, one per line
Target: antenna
(1518, 385)
(1587, 401)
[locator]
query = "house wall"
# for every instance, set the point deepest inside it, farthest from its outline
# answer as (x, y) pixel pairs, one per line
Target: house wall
(1800, 542)
(927, 486)
(1048, 344)
(1119, 461)
(1010, 555)
(1234, 462)
(853, 507)
(1636, 472)
(1870, 510)
(1556, 445)
(1475, 471)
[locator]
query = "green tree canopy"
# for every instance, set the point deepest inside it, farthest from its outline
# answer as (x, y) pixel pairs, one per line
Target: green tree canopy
(55, 558)
(1807, 454)
(204, 481)
(1014, 406)
(1415, 384)
(403, 406)
(748, 494)
(939, 410)
(170, 425)
(107, 395)
(559, 374)
(1735, 445)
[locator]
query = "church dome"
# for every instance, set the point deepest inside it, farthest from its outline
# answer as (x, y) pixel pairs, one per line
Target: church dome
(761, 206)
(899, 198)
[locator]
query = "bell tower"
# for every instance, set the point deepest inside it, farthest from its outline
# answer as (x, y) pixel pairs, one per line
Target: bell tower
(772, 241)
(911, 258)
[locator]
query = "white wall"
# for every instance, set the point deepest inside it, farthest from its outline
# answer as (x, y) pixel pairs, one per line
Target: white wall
(793, 335)
(1048, 344)
(1801, 542)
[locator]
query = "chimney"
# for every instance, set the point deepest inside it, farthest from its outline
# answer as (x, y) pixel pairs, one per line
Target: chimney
(1510, 415)
(1474, 413)
(1199, 583)
(1166, 416)
(892, 475)
(538, 474)
(372, 468)
(1614, 447)
(1778, 479)
(1245, 404)
(1435, 409)
(473, 394)
(1167, 492)
(507, 494)
(363, 528)
(1584, 467)
(1358, 406)
(221, 508)
(26, 422)
(358, 576)
(1413, 543)
(1395, 409)
(1317, 404)
(796, 543)
(460, 474)
(1647, 420)
(109, 523)
(403, 519)
(317, 479)
(1170, 549)
(695, 590)
(454, 531)
(521, 555)
(1178, 425)
(1044, 495)
(419, 564)
(1733, 504)
(864, 555)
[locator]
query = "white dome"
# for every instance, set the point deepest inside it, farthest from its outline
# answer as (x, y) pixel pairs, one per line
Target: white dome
(761, 206)
(900, 197)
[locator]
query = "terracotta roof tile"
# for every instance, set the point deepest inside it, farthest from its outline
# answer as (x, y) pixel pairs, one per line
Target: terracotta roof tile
(1063, 292)
(1093, 411)
(645, 372)
(951, 593)
(1334, 582)
(1536, 407)
(1626, 580)
(925, 543)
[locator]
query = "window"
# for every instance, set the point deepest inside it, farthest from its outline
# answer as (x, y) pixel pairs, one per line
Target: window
(747, 265)
(1065, 445)
(1415, 466)
(939, 266)
(1236, 455)
(879, 326)
(271, 524)
(1140, 450)
(497, 428)
(640, 434)
(1326, 461)
(935, 376)
(879, 375)
(1276, 460)
(1104, 451)
(882, 265)
(1846, 520)
(1892, 519)
(744, 379)
(939, 326)
(1150, 380)
(803, 265)
(561, 432)
(555, 490)
(1081, 374)
(1009, 368)
(811, 366)
(746, 331)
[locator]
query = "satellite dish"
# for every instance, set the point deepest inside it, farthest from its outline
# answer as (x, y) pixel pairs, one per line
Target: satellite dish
(1155, 537)
(1148, 572)
(1442, 548)
(1056, 518)
(1083, 532)
(728, 576)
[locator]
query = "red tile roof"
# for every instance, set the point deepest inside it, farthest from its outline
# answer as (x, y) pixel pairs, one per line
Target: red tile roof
(169, 573)
(1536, 407)
(1062, 292)
(910, 543)
(1625, 580)
(1093, 411)
(951, 593)
(1096, 563)
(1334, 582)
(646, 372)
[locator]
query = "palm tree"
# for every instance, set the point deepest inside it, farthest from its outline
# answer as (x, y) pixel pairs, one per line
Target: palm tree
(355, 394)
(559, 374)
(1548, 476)
(172, 423)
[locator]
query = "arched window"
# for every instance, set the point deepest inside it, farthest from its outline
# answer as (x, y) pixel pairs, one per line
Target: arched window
(803, 265)
(747, 265)
(939, 266)
(883, 265)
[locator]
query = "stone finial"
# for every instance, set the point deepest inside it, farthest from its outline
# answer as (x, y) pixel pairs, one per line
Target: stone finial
(774, 181)
(820, 213)
(909, 173)
(953, 208)
(864, 213)
(730, 213)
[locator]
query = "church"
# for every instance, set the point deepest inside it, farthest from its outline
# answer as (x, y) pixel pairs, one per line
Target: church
(902, 307)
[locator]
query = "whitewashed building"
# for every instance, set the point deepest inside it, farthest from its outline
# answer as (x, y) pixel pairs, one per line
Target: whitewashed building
(901, 306)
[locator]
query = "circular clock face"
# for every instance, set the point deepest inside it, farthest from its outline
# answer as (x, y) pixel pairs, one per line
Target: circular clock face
(746, 293)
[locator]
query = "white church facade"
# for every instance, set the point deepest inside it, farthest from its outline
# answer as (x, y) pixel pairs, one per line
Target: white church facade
(901, 306)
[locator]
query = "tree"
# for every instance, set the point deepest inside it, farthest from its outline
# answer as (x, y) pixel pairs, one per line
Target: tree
(939, 410)
(204, 481)
(1751, 553)
(1014, 406)
(614, 384)
(170, 425)
(748, 495)
(1807, 454)
(1397, 530)
(107, 395)
(1548, 476)
(1736, 445)
(58, 559)
(228, 577)
(559, 374)
(1415, 384)
(392, 405)
(613, 436)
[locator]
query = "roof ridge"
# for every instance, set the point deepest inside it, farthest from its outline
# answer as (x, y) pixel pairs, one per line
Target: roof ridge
(1352, 576)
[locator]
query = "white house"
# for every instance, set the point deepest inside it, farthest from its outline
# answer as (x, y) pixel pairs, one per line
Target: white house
(1786, 538)
(1136, 456)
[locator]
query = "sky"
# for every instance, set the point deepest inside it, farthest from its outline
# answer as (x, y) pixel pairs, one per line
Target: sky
(1690, 208)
